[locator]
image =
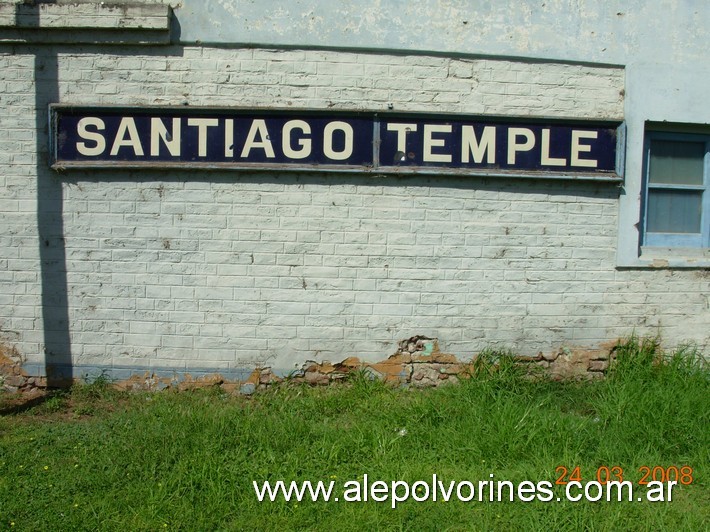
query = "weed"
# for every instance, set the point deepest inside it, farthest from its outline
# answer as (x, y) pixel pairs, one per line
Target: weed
(53, 404)
(99, 388)
(499, 364)
(635, 358)
(654, 397)
(362, 377)
(84, 411)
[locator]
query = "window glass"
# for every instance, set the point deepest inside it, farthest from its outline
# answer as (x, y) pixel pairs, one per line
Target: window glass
(676, 163)
(674, 211)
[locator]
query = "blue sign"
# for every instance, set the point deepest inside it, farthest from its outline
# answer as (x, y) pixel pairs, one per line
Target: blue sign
(505, 146)
(369, 142)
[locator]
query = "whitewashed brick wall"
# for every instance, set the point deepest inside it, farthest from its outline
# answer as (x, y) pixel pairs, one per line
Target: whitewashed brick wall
(341, 80)
(198, 271)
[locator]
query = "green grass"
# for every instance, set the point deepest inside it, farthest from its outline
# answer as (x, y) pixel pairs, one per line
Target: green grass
(96, 458)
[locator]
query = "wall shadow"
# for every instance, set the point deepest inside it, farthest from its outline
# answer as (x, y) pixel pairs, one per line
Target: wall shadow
(522, 186)
(45, 48)
(50, 225)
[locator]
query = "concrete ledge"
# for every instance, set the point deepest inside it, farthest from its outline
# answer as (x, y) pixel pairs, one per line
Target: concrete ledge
(85, 23)
(85, 16)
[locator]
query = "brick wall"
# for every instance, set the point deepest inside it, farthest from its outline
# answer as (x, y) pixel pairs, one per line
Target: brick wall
(217, 271)
(341, 80)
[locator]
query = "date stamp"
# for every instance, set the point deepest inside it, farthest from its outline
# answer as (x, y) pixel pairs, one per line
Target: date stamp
(643, 475)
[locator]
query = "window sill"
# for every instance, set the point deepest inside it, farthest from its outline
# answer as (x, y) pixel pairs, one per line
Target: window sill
(664, 257)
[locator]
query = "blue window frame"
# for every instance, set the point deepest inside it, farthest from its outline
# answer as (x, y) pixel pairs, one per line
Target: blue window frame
(676, 199)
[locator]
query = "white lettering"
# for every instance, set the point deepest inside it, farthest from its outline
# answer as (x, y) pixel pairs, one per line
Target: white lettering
(471, 146)
(619, 486)
(258, 127)
(94, 136)
(352, 494)
(545, 494)
(588, 493)
(669, 496)
(578, 148)
(202, 124)
(127, 126)
(304, 143)
(430, 142)
(402, 130)
(399, 498)
(420, 491)
(159, 132)
(569, 496)
(655, 491)
(513, 145)
(446, 494)
(459, 491)
(379, 490)
(545, 157)
(229, 137)
(328, 133)
(524, 488)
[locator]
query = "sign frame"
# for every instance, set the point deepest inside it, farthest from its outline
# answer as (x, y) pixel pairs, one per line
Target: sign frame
(382, 129)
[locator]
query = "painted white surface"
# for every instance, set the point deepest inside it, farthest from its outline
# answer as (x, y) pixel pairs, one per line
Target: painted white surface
(661, 44)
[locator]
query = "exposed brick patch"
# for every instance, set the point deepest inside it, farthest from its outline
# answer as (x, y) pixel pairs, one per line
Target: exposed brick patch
(12, 377)
(419, 363)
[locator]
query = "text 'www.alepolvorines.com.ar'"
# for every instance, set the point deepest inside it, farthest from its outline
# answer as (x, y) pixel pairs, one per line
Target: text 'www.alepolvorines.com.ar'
(397, 491)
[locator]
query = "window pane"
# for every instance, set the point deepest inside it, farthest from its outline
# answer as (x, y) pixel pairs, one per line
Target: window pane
(674, 211)
(676, 163)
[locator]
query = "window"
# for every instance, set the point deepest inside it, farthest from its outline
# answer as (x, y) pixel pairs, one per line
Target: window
(676, 192)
